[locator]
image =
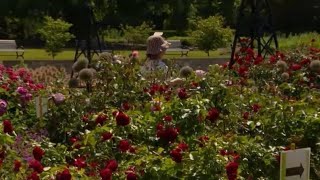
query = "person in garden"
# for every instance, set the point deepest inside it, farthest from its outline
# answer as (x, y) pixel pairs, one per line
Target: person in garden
(156, 49)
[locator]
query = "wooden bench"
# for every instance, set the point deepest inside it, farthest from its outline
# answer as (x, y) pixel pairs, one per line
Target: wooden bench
(11, 46)
(176, 46)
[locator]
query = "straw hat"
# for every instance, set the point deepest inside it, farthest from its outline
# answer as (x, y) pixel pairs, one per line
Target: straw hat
(156, 44)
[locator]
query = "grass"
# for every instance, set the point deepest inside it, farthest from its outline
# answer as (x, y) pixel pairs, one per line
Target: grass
(298, 41)
(68, 54)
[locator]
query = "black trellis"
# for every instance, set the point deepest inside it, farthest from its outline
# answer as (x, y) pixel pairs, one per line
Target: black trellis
(254, 24)
(92, 44)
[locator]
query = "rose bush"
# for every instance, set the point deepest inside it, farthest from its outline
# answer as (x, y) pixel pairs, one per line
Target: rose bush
(224, 124)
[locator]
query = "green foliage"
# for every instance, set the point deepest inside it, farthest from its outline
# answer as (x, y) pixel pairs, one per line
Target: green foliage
(56, 34)
(210, 33)
(297, 41)
(137, 34)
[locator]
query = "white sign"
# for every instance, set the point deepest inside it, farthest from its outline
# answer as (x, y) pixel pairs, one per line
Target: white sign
(41, 106)
(295, 164)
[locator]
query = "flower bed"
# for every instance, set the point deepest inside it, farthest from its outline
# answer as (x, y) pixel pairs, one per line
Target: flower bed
(222, 124)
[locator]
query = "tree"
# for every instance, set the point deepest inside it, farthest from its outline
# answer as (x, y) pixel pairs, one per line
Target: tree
(210, 33)
(56, 34)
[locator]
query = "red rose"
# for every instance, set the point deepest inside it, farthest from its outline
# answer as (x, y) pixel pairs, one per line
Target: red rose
(305, 62)
(132, 176)
(272, 59)
(203, 140)
(169, 134)
(182, 94)
(36, 166)
(176, 155)
(17, 165)
(112, 165)
(256, 107)
(73, 140)
(101, 119)
(242, 71)
(246, 115)
(80, 162)
(132, 150)
(106, 136)
(37, 153)
(232, 168)
(33, 176)
(124, 145)
(258, 60)
(223, 152)
(183, 146)
(64, 175)
(126, 106)
(122, 119)
(167, 118)
(106, 174)
(213, 115)
(7, 127)
(295, 67)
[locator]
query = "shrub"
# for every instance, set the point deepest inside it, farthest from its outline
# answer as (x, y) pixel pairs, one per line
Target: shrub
(137, 34)
(209, 34)
(55, 34)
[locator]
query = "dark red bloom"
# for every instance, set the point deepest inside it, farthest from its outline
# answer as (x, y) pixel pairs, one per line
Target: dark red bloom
(122, 119)
(182, 94)
(242, 71)
(7, 127)
(106, 136)
(246, 115)
(203, 140)
(124, 145)
(272, 59)
(73, 140)
(17, 165)
(305, 62)
(232, 168)
(106, 174)
(126, 106)
(256, 107)
(258, 60)
(223, 152)
(169, 134)
(36, 166)
(183, 146)
(213, 115)
(38, 153)
(132, 176)
(167, 118)
(80, 162)
(101, 119)
(33, 176)
(295, 67)
(112, 165)
(176, 155)
(64, 175)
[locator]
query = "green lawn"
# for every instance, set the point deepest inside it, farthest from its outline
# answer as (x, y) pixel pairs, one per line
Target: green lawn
(68, 54)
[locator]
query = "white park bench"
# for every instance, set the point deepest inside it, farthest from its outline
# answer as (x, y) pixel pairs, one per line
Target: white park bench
(10, 46)
(176, 46)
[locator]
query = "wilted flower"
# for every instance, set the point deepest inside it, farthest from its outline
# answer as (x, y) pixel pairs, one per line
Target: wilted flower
(58, 98)
(80, 64)
(3, 107)
(285, 76)
(106, 57)
(282, 65)
(186, 71)
(16, 165)
(86, 74)
(315, 65)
